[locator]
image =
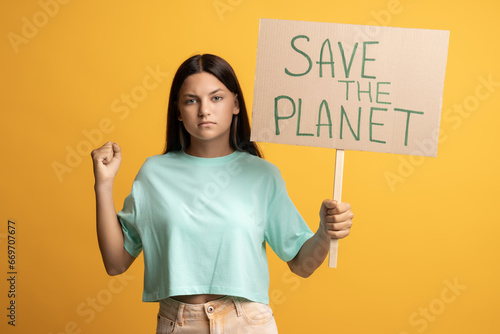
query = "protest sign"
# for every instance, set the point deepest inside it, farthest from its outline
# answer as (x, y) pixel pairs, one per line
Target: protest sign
(349, 87)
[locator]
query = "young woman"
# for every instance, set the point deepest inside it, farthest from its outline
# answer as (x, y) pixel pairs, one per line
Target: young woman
(203, 211)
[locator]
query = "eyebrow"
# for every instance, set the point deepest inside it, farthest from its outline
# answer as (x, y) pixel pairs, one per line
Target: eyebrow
(211, 93)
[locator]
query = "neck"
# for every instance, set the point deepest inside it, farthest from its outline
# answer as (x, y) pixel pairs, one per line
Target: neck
(199, 149)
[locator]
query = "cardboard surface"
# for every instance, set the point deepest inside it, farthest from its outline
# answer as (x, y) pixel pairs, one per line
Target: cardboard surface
(351, 87)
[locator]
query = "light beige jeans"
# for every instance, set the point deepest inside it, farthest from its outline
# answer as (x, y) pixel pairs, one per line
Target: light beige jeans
(225, 315)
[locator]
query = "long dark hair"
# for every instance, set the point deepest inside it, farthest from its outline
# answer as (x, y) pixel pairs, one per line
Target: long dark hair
(178, 138)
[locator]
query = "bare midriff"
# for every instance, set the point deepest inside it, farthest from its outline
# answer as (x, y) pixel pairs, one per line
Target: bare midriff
(197, 299)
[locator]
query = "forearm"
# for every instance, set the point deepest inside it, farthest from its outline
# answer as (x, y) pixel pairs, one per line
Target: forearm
(312, 254)
(335, 222)
(109, 232)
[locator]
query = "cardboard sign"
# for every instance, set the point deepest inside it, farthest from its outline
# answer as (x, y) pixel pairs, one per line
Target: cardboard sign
(349, 87)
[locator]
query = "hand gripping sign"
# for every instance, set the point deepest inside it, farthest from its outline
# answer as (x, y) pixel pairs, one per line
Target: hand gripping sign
(349, 87)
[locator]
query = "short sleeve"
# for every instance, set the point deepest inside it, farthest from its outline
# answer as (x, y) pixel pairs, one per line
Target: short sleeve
(286, 231)
(127, 217)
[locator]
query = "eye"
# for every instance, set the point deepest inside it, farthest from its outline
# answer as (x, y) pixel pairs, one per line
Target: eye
(217, 98)
(190, 101)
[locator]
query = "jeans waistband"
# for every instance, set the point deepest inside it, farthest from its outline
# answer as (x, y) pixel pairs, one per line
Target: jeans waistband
(181, 311)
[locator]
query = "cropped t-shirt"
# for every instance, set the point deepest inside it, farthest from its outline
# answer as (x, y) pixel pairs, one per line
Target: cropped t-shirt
(203, 224)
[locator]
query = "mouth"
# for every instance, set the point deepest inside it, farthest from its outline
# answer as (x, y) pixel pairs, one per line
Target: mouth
(206, 123)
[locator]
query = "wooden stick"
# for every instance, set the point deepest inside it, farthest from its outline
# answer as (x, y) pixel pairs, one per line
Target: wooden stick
(337, 196)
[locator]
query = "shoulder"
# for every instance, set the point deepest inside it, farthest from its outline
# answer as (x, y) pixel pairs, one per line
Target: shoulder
(252, 164)
(161, 159)
(156, 163)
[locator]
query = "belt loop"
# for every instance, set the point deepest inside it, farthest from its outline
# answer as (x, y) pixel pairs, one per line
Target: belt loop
(180, 315)
(237, 304)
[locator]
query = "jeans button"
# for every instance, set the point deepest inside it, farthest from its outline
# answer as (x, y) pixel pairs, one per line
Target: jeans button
(210, 309)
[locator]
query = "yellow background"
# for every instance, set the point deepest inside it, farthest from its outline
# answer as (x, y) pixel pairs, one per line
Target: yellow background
(437, 225)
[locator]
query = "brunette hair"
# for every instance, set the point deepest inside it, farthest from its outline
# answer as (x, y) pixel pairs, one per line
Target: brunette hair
(178, 138)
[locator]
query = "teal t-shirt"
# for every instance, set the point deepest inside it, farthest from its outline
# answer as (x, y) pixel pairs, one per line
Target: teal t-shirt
(203, 224)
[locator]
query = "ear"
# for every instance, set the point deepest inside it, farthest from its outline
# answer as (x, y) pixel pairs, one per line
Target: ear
(236, 108)
(179, 116)
(177, 111)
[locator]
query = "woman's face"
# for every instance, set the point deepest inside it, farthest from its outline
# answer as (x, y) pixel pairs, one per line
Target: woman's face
(206, 108)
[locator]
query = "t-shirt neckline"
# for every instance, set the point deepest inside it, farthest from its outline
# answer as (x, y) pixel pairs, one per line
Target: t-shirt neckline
(212, 161)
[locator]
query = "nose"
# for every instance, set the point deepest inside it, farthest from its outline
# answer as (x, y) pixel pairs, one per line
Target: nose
(204, 108)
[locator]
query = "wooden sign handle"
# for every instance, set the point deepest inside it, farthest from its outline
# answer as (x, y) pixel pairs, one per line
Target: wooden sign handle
(337, 196)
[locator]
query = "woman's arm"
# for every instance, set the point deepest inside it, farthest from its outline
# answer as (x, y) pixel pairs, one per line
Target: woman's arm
(335, 222)
(107, 160)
